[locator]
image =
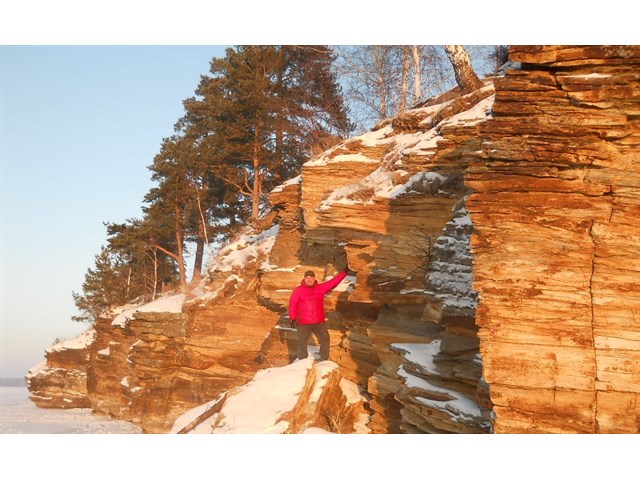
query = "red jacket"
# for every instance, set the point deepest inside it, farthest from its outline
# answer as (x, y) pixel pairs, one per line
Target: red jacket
(306, 305)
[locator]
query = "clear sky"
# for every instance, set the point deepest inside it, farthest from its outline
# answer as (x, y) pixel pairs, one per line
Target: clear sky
(80, 125)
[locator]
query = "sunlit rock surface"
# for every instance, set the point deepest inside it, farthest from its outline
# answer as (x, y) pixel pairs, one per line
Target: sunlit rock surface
(493, 241)
(556, 242)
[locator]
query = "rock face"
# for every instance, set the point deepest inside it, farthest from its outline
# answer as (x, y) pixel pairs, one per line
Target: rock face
(556, 241)
(150, 364)
(61, 380)
(390, 200)
(494, 238)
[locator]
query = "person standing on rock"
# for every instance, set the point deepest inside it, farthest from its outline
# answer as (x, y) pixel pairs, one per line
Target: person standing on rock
(306, 308)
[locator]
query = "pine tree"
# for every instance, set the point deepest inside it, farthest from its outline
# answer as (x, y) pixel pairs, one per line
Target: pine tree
(104, 286)
(189, 200)
(259, 114)
(141, 243)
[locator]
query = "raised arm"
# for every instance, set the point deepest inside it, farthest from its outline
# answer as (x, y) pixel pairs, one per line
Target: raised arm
(329, 285)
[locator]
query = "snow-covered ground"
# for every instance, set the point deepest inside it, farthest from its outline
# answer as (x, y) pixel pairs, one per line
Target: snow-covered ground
(19, 415)
(258, 406)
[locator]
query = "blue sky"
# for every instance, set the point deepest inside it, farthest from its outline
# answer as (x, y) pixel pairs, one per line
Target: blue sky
(80, 125)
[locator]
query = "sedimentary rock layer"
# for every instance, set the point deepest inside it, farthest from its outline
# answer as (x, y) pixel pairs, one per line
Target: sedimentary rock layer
(556, 214)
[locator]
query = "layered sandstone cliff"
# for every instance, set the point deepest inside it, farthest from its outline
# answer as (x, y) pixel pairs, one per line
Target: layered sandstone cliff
(556, 241)
(61, 380)
(494, 240)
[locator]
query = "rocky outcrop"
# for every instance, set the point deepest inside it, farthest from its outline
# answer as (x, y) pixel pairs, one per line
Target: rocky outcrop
(181, 360)
(149, 364)
(556, 214)
(493, 239)
(384, 199)
(61, 380)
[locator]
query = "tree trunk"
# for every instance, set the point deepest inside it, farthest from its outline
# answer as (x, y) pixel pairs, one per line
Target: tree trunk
(381, 84)
(197, 264)
(128, 283)
(200, 242)
(155, 274)
(417, 93)
(466, 77)
(256, 193)
(180, 243)
(279, 168)
(404, 85)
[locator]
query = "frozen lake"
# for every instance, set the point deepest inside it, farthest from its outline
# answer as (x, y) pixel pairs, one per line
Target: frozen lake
(19, 415)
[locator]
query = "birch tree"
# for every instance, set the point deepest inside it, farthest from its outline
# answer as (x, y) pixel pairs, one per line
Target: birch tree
(376, 78)
(465, 75)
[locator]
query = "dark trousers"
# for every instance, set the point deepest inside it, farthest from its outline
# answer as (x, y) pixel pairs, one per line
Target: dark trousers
(321, 333)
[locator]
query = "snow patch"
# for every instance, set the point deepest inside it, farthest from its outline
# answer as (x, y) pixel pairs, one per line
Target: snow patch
(421, 354)
(459, 407)
(210, 296)
(256, 407)
(590, 75)
(294, 181)
(83, 340)
(239, 254)
(323, 370)
(478, 113)
(168, 304)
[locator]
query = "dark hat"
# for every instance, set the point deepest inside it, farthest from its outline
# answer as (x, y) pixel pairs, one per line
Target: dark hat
(309, 273)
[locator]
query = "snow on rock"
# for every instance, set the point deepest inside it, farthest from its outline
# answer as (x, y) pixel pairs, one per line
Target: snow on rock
(281, 400)
(81, 341)
(166, 304)
(460, 407)
(323, 369)
(421, 354)
(346, 285)
(421, 182)
(375, 137)
(169, 304)
(206, 297)
(37, 369)
(256, 407)
(390, 180)
(479, 113)
(370, 139)
(248, 248)
(282, 186)
(450, 275)
(379, 180)
(589, 75)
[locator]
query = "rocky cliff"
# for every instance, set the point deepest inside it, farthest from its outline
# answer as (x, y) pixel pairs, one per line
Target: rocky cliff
(495, 242)
(556, 242)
